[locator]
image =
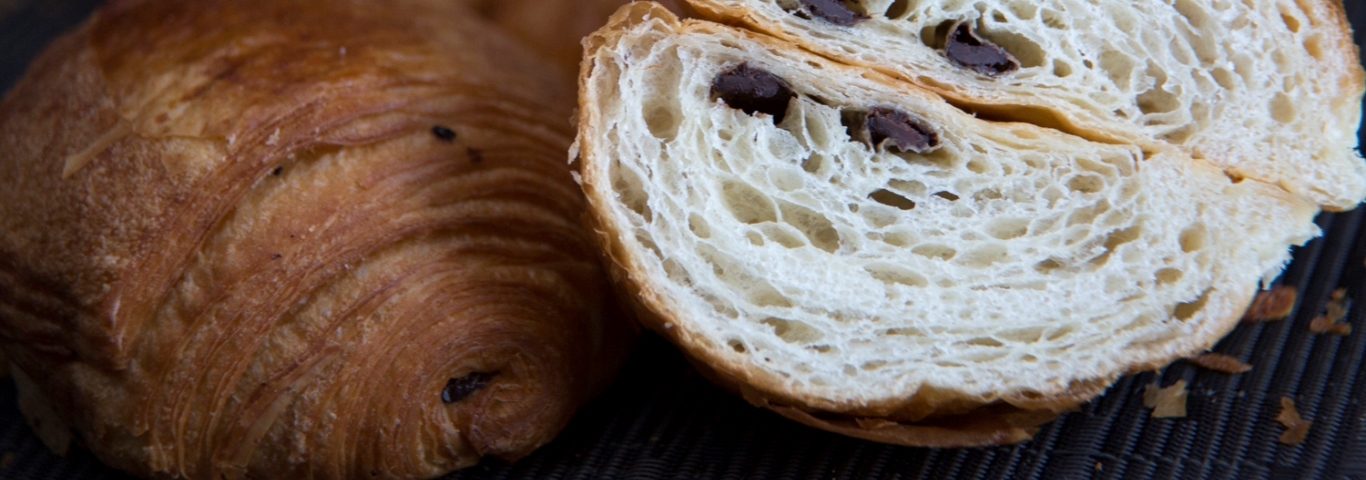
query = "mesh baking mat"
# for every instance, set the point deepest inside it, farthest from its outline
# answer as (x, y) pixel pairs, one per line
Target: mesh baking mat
(661, 420)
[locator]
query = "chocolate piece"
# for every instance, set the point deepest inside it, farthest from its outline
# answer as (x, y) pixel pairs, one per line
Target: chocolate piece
(443, 133)
(890, 129)
(833, 11)
(277, 171)
(753, 90)
(967, 49)
(458, 389)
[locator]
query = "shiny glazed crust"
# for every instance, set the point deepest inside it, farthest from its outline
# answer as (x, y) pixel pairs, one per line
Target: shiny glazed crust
(258, 239)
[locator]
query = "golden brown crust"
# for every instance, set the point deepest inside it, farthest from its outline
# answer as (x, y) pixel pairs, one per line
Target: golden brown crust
(232, 243)
(1334, 13)
(555, 28)
(983, 426)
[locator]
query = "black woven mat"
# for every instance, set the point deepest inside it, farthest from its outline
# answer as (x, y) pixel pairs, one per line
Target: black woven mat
(661, 420)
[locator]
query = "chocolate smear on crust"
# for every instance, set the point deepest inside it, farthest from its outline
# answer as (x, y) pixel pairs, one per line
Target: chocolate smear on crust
(458, 389)
(443, 133)
(753, 90)
(965, 48)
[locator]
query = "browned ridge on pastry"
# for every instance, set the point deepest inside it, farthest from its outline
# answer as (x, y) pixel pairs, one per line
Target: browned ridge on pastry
(554, 28)
(296, 239)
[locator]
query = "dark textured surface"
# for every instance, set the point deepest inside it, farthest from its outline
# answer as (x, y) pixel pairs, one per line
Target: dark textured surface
(663, 421)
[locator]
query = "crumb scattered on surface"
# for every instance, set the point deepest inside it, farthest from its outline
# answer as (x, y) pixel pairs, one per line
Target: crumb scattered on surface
(1296, 427)
(1168, 402)
(1220, 363)
(1333, 313)
(1323, 324)
(1271, 305)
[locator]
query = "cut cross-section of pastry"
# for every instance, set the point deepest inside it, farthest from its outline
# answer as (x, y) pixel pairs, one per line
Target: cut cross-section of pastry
(1265, 89)
(869, 259)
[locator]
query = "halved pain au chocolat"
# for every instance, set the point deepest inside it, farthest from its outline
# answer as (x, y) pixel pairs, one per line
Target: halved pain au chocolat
(833, 11)
(965, 48)
(753, 90)
(889, 129)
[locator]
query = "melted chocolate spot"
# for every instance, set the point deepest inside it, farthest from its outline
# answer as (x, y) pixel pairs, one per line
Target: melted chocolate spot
(833, 11)
(458, 389)
(443, 133)
(890, 129)
(967, 49)
(753, 90)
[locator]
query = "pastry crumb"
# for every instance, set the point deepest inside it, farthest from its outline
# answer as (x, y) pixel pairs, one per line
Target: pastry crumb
(1168, 402)
(1333, 313)
(1219, 363)
(1324, 324)
(1296, 427)
(1271, 305)
(1150, 395)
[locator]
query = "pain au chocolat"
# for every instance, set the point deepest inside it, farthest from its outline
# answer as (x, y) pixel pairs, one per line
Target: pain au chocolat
(296, 239)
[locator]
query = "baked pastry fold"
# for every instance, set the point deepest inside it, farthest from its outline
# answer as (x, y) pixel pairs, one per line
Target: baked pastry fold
(296, 239)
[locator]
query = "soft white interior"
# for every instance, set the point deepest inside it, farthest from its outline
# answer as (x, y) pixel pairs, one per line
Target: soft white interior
(1030, 258)
(1260, 87)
